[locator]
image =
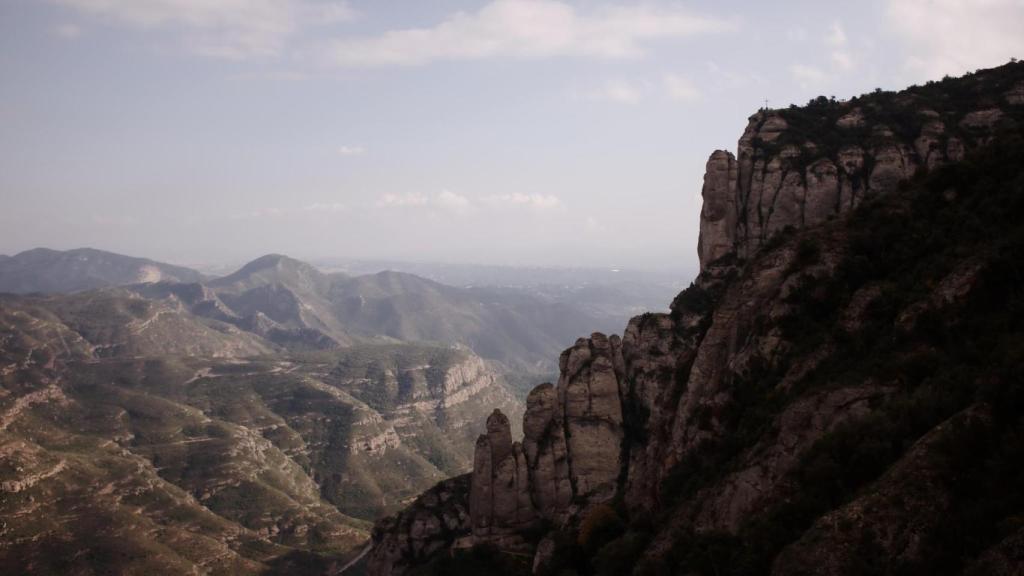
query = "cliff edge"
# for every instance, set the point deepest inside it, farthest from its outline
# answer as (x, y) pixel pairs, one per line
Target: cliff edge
(838, 392)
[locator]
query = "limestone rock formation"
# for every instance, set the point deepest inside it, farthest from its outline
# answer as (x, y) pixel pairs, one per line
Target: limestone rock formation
(429, 527)
(817, 401)
(499, 498)
(801, 166)
(573, 437)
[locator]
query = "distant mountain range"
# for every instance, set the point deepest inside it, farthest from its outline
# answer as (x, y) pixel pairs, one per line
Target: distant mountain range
(170, 422)
(291, 304)
(45, 270)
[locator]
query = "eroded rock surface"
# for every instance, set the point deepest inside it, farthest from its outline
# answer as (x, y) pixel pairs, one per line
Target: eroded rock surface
(429, 527)
(783, 176)
(787, 416)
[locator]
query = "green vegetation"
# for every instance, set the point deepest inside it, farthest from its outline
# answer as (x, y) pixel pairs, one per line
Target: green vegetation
(951, 98)
(941, 362)
(960, 221)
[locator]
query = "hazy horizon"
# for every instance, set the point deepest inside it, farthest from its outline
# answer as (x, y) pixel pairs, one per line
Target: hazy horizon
(513, 132)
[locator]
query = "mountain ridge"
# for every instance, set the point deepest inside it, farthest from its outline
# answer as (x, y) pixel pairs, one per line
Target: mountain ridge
(834, 396)
(294, 305)
(55, 271)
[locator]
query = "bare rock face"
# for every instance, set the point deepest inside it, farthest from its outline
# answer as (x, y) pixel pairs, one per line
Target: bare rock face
(652, 352)
(546, 452)
(588, 393)
(571, 448)
(718, 214)
(499, 499)
(427, 529)
(780, 179)
(852, 119)
(718, 360)
(708, 422)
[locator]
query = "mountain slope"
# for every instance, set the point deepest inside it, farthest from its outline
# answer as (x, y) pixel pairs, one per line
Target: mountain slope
(44, 270)
(516, 329)
(128, 445)
(291, 304)
(840, 396)
(283, 299)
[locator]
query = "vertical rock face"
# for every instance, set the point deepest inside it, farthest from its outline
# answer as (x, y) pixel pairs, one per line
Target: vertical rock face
(499, 493)
(710, 421)
(545, 448)
(571, 447)
(718, 213)
(801, 166)
(589, 395)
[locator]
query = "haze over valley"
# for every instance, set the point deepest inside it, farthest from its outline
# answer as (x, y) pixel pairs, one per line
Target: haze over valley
(511, 287)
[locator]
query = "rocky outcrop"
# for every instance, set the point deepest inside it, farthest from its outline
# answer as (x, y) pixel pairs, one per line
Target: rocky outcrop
(499, 500)
(375, 444)
(718, 213)
(589, 398)
(571, 448)
(430, 404)
(428, 528)
(791, 414)
(571, 453)
(798, 167)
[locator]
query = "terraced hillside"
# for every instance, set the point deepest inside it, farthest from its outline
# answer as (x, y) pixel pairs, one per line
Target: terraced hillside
(137, 437)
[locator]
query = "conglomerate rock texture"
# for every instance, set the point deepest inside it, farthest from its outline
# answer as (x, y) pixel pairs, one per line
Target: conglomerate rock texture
(837, 393)
(799, 167)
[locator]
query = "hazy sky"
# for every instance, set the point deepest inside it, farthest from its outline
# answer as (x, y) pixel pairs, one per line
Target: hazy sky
(510, 132)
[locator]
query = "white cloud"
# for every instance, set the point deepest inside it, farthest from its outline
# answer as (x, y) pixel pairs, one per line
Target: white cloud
(808, 77)
(536, 201)
(223, 28)
(836, 36)
(275, 212)
(722, 78)
(526, 29)
(841, 58)
(617, 90)
(680, 88)
(956, 36)
(350, 150)
(403, 200)
(325, 207)
(445, 200)
(452, 201)
(67, 31)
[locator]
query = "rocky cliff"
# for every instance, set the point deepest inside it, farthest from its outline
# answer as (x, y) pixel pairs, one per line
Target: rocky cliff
(838, 392)
(799, 167)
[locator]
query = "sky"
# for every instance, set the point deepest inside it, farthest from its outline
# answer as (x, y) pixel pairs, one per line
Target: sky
(514, 132)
